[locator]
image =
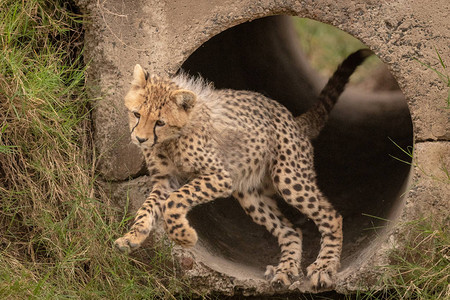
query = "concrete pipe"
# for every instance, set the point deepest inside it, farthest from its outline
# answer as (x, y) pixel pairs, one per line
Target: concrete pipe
(243, 45)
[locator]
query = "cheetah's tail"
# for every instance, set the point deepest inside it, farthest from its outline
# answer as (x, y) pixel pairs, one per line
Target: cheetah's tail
(315, 118)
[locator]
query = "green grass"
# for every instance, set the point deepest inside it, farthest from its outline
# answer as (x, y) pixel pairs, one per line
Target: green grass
(443, 175)
(443, 76)
(421, 268)
(56, 224)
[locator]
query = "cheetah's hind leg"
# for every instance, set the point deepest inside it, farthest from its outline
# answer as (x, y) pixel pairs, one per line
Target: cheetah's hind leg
(264, 211)
(299, 188)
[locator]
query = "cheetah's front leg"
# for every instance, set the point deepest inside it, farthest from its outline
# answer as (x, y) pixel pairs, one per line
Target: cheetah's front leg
(201, 190)
(144, 221)
(160, 169)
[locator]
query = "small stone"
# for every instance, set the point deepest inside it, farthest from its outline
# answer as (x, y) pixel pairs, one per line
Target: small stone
(187, 263)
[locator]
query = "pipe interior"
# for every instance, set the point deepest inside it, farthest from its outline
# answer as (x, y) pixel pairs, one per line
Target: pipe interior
(352, 154)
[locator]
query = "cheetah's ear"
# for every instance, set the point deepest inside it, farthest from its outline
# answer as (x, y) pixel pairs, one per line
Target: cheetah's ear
(139, 76)
(184, 99)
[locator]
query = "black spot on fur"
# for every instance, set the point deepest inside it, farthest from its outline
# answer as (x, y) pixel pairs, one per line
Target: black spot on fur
(286, 192)
(297, 187)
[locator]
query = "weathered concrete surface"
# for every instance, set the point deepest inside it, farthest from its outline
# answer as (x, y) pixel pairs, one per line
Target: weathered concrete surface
(161, 35)
(430, 182)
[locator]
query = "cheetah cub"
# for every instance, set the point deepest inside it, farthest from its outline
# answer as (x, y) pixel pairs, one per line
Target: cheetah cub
(201, 144)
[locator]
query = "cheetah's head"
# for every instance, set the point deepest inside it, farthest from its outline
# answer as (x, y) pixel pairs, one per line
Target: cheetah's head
(157, 108)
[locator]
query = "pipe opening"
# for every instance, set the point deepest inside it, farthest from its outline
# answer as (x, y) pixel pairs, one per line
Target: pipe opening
(353, 160)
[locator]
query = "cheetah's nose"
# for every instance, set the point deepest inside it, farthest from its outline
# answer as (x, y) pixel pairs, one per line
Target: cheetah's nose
(140, 140)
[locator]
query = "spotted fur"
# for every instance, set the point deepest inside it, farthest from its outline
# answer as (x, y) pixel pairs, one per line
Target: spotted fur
(201, 144)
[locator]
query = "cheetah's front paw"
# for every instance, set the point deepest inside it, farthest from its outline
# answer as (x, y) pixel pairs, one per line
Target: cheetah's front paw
(130, 241)
(321, 274)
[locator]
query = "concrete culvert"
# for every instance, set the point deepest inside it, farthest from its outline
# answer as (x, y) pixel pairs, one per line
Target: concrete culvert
(242, 45)
(353, 164)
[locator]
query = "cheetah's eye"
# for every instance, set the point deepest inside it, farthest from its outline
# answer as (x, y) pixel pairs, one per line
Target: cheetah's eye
(136, 114)
(160, 123)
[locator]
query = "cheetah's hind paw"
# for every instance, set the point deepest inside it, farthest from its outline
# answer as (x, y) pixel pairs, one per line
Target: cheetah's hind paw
(269, 273)
(321, 276)
(279, 280)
